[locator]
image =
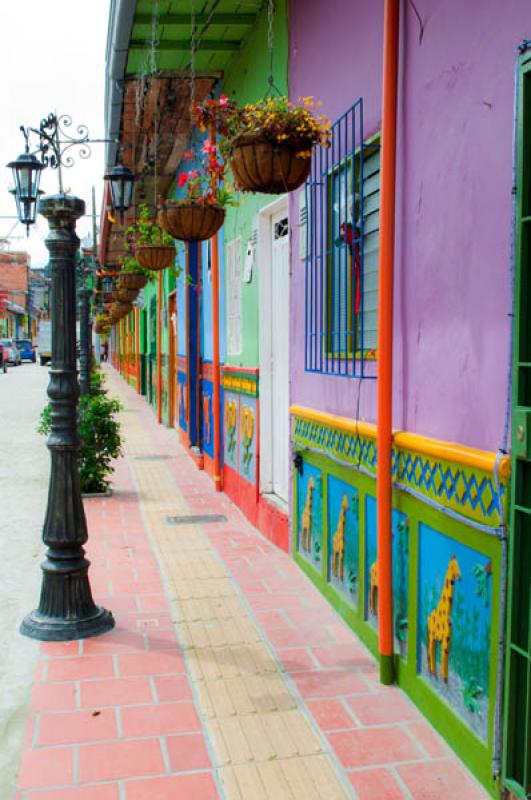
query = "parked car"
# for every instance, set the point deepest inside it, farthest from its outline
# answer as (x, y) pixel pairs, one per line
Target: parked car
(45, 341)
(3, 358)
(13, 353)
(27, 350)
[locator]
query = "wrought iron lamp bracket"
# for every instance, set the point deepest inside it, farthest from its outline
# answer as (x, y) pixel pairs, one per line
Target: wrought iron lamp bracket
(55, 140)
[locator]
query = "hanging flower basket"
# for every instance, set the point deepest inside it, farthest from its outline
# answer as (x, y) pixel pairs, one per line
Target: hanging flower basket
(125, 295)
(132, 280)
(119, 310)
(259, 165)
(155, 257)
(191, 222)
(101, 326)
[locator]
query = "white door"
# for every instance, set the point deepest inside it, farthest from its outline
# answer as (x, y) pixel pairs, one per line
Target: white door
(279, 370)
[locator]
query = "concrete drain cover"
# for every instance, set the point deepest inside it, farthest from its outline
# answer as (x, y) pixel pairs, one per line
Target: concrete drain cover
(151, 458)
(195, 519)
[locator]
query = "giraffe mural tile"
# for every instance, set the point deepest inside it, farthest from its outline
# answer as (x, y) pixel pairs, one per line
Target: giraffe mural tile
(343, 538)
(455, 624)
(182, 401)
(310, 515)
(207, 417)
(400, 523)
(232, 420)
(248, 435)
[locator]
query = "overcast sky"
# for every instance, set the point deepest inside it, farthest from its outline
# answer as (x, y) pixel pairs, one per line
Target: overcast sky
(52, 58)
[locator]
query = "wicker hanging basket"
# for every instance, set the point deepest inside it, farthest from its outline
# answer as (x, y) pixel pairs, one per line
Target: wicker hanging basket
(102, 326)
(132, 280)
(155, 256)
(125, 295)
(192, 222)
(259, 165)
(120, 310)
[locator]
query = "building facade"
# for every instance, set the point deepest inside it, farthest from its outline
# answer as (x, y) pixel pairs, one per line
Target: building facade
(14, 284)
(293, 334)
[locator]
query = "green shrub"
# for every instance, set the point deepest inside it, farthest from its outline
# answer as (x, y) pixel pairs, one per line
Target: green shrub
(99, 431)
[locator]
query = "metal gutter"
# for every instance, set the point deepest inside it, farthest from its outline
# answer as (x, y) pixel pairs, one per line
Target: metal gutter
(121, 16)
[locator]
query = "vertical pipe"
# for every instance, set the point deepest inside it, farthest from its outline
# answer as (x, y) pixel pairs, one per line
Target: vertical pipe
(159, 348)
(216, 410)
(215, 363)
(385, 339)
(137, 349)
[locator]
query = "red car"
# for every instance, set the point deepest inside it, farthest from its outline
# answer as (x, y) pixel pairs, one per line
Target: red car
(3, 359)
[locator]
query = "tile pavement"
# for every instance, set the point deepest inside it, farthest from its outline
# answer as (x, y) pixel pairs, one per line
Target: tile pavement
(227, 674)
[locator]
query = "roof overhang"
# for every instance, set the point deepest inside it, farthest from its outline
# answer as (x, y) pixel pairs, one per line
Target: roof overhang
(148, 88)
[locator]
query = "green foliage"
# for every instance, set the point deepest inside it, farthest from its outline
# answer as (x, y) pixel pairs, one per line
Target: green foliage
(99, 431)
(400, 576)
(146, 231)
(471, 690)
(130, 264)
(316, 550)
(481, 573)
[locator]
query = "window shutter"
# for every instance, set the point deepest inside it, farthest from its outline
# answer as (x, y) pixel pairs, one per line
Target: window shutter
(304, 224)
(371, 247)
(234, 297)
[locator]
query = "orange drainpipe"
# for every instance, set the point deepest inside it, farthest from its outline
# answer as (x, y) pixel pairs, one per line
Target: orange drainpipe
(159, 349)
(216, 410)
(137, 349)
(385, 339)
(215, 363)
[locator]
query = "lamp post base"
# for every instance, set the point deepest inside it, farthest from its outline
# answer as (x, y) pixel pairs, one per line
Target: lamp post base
(53, 629)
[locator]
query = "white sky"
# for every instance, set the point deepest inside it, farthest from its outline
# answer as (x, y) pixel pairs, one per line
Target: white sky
(52, 58)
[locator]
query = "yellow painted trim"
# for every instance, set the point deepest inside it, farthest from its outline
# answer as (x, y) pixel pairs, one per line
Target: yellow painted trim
(347, 424)
(446, 451)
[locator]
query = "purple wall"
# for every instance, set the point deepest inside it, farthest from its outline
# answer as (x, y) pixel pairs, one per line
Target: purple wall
(453, 202)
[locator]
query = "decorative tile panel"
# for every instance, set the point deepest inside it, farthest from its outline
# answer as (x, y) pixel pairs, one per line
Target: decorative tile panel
(469, 491)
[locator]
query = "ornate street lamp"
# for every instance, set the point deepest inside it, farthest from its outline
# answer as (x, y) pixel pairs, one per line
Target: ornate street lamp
(107, 285)
(26, 175)
(121, 182)
(66, 608)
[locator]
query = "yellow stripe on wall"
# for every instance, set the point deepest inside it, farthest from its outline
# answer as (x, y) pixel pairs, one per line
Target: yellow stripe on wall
(446, 451)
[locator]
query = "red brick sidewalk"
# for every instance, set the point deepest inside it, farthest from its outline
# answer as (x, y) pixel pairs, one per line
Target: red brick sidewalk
(119, 717)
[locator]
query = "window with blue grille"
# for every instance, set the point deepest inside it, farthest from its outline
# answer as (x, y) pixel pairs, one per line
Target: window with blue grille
(339, 242)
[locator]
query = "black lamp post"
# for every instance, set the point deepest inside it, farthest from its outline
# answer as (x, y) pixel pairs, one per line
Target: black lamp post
(66, 608)
(84, 295)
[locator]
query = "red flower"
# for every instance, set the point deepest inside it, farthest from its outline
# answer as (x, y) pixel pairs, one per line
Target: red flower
(183, 178)
(223, 101)
(209, 147)
(188, 155)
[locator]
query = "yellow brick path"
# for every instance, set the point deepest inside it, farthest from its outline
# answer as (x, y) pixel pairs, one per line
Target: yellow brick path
(264, 744)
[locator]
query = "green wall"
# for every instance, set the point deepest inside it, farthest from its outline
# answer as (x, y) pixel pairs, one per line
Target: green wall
(245, 82)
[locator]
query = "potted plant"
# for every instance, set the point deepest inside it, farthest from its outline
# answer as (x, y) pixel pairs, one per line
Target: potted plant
(152, 246)
(99, 430)
(200, 212)
(102, 323)
(124, 295)
(268, 143)
(132, 275)
(119, 310)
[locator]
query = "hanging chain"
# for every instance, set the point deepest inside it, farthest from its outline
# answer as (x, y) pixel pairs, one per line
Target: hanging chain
(270, 39)
(193, 44)
(272, 87)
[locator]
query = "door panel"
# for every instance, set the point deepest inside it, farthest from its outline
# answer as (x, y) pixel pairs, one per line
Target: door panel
(280, 352)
